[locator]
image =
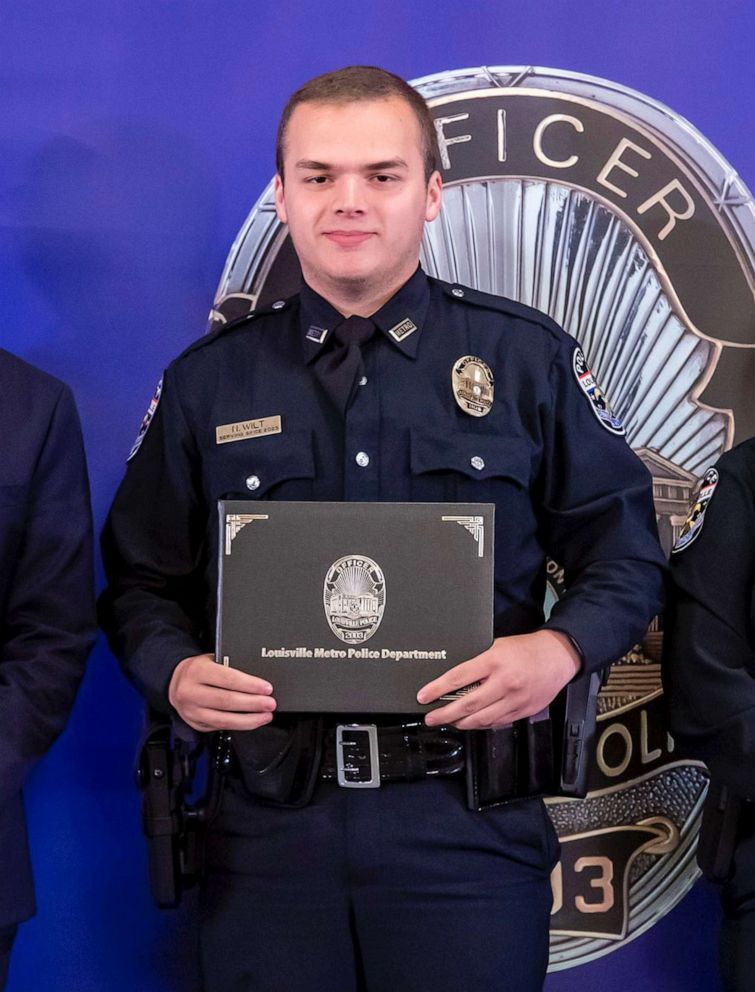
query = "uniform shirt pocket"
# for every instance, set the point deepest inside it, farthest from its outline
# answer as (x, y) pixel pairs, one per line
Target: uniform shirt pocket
(467, 467)
(278, 466)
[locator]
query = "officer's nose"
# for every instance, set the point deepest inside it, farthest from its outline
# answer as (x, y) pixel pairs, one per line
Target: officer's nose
(349, 198)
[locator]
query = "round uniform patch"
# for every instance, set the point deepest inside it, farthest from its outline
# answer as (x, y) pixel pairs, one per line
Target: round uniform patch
(472, 383)
(694, 522)
(595, 394)
(146, 422)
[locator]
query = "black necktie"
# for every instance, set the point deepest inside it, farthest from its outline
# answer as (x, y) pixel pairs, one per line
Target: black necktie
(340, 368)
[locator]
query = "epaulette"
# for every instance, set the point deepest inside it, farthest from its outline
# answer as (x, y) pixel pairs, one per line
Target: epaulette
(500, 304)
(279, 306)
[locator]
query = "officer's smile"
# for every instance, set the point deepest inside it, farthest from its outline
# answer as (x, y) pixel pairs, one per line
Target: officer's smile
(349, 239)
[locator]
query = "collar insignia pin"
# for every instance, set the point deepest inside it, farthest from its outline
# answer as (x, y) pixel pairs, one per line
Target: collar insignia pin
(403, 329)
(317, 334)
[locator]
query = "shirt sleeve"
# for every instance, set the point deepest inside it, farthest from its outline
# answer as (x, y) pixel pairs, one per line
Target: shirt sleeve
(709, 654)
(153, 610)
(49, 621)
(598, 522)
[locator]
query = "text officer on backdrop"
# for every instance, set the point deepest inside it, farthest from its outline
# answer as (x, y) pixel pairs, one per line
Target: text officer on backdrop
(47, 614)
(309, 885)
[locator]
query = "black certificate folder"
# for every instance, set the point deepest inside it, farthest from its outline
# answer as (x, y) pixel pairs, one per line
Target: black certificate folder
(352, 607)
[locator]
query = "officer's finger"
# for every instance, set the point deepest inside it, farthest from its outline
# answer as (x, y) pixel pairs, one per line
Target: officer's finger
(207, 720)
(482, 695)
(467, 673)
(228, 701)
(500, 714)
(210, 673)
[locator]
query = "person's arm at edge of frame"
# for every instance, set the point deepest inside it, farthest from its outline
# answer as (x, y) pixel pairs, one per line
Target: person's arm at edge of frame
(49, 622)
(709, 648)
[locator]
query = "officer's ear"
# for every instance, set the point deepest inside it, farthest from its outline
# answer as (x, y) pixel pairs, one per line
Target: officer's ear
(434, 196)
(280, 199)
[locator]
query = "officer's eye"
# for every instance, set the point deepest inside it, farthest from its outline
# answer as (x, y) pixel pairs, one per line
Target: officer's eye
(382, 179)
(316, 180)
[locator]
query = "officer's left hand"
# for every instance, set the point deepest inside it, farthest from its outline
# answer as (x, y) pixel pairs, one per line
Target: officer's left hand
(519, 676)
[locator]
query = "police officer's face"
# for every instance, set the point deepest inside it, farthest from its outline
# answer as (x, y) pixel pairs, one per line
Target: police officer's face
(355, 195)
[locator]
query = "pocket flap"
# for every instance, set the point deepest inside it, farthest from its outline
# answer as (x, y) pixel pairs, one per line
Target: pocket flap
(478, 456)
(253, 466)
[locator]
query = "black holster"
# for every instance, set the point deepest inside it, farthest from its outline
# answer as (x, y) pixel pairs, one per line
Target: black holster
(279, 763)
(172, 825)
(718, 833)
(515, 762)
(536, 757)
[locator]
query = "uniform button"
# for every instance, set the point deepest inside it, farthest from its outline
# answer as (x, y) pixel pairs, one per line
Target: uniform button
(363, 381)
(457, 292)
(362, 459)
(253, 482)
(279, 304)
(478, 463)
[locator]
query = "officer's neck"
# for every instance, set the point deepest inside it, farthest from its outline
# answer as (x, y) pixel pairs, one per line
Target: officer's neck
(357, 297)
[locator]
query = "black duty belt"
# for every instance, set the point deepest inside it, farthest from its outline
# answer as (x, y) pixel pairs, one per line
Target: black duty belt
(362, 755)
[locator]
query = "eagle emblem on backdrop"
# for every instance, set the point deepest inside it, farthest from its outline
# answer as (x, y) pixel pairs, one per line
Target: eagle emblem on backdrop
(605, 210)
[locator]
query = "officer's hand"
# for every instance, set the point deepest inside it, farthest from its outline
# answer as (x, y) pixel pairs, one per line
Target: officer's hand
(212, 697)
(518, 677)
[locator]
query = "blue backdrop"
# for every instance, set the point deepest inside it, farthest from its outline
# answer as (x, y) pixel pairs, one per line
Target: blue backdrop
(134, 137)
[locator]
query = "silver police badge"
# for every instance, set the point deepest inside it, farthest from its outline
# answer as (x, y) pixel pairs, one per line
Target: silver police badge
(472, 383)
(354, 598)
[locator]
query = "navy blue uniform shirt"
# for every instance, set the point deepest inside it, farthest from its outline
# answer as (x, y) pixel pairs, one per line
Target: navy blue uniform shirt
(564, 484)
(709, 647)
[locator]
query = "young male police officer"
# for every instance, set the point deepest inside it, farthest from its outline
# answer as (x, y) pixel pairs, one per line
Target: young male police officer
(47, 615)
(311, 886)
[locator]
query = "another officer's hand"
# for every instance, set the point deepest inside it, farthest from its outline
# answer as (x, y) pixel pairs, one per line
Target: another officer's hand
(519, 676)
(212, 697)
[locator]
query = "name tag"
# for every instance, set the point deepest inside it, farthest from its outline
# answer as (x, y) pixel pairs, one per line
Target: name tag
(247, 428)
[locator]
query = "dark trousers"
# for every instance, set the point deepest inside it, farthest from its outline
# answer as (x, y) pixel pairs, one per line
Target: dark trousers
(7, 936)
(397, 889)
(737, 946)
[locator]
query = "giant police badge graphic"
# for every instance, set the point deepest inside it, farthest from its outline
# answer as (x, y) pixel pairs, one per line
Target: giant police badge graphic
(600, 207)
(354, 598)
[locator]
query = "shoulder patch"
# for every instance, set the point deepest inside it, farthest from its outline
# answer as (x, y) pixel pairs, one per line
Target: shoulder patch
(148, 417)
(595, 394)
(694, 522)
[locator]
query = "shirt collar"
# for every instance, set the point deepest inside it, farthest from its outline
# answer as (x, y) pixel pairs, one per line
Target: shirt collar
(400, 319)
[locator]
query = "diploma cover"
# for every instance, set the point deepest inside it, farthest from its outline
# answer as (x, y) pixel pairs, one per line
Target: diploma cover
(352, 607)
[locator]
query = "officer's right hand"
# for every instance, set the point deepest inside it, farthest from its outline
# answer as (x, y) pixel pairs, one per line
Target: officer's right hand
(208, 696)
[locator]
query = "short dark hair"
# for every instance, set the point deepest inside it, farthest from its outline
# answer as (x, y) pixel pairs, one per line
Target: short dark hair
(361, 82)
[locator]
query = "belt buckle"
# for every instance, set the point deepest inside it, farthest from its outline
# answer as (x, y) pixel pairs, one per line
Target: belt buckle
(353, 773)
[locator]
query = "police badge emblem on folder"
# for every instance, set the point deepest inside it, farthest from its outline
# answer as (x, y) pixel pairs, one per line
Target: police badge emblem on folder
(352, 607)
